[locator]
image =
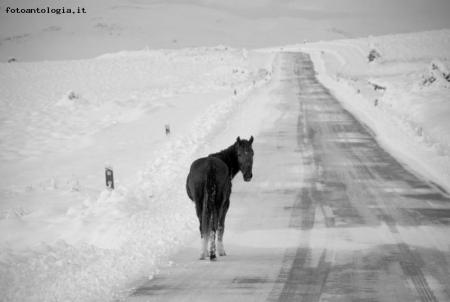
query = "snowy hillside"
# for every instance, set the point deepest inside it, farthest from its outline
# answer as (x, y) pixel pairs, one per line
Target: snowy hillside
(63, 235)
(116, 25)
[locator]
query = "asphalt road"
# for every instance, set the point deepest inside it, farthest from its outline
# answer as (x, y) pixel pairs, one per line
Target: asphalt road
(328, 216)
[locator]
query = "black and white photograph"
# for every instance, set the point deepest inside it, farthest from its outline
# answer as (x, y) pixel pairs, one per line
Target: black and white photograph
(224, 151)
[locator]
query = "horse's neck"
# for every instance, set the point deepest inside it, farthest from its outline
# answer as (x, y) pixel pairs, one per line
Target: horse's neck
(229, 157)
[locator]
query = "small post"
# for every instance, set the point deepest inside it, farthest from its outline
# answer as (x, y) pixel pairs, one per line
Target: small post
(168, 130)
(419, 131)
(109, 176)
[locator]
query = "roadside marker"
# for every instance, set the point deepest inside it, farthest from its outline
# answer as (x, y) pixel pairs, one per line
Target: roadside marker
(109, 176)
(167, 130)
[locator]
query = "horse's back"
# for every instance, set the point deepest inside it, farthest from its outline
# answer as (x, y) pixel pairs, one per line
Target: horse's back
(199, 168)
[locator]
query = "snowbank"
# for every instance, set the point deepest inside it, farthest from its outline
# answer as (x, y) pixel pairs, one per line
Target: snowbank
(63, 235)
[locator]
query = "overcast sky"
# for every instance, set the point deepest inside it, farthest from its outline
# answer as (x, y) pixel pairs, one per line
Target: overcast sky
(416, 14)
(434, 10)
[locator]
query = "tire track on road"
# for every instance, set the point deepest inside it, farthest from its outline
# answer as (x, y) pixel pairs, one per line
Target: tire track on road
(298, 280)
(347, 174)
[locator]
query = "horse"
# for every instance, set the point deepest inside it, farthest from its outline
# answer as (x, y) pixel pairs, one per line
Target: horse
(208, 185)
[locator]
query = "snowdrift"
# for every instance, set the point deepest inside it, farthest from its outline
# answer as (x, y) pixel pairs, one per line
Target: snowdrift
(64, 236)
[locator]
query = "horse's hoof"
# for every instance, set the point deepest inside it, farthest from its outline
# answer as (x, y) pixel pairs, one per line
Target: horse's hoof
(201, 257)
(212, 257)
(222, 251)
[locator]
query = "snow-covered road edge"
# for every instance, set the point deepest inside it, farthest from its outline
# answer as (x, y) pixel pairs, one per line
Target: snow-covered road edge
(396, 135)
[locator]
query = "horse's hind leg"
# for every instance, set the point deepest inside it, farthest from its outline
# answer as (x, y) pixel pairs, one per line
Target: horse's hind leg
(212, 246)
(203, 247)
(204, 237)
(220, 247)
(221, 227)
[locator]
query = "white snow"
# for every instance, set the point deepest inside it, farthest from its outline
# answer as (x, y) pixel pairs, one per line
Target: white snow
(116, 25)
(64, 236)
(63, 121)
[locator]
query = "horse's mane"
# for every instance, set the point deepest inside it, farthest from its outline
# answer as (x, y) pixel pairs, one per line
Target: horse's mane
(229, 157)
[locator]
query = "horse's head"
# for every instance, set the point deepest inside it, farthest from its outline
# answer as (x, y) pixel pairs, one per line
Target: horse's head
(245, 153)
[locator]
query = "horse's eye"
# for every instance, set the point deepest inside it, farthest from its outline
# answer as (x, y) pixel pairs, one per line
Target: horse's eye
(239, 155)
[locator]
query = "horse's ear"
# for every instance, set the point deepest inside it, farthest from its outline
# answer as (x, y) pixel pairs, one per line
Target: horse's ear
(238, 140)
(251, 140)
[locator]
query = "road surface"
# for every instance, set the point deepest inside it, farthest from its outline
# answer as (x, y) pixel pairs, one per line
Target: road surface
(329, 216)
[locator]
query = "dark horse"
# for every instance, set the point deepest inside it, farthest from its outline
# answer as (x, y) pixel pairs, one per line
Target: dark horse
(209, 186)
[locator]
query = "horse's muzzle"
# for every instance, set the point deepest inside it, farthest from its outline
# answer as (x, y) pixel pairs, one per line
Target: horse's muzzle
(248, 177)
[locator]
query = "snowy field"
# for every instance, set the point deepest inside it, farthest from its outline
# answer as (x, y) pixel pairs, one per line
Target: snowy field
(63, 234)
(116, 25)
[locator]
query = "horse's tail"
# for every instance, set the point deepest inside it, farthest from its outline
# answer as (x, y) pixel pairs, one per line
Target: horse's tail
(209, 215)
